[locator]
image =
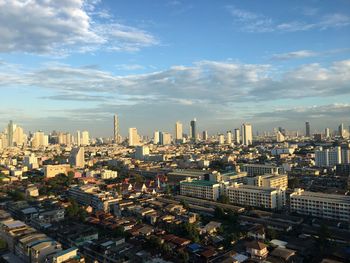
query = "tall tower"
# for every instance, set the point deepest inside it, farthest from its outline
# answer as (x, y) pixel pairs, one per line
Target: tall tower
(341, 130)
(78, 138)
(247, 134)
(229, 137)
(237, 136)
(134, 138)
(178, 131)
(116, 128)
(205, 136)
(156, 137)
(193, 131)
(10, 129)
(307, 129)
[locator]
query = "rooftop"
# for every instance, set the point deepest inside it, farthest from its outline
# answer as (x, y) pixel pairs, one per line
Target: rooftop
(199, 183)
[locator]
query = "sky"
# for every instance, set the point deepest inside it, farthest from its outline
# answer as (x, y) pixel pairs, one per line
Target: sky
(71, 64)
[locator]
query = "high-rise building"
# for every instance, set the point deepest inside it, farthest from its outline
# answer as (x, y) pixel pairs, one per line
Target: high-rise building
(205, 135)
(141, 152)
(178, 131)
(116, 128)
(341, 131)
(237, 136)
(165, 138)
(10, 130)
(328, 157)
(40, 139)
(76, 157)
(229, 137)
(307, 129)
(85, 138)
(221, 139)
(78, 138)
(247, 134)
(193, 130)
(134, 138)
(327, 133)
(18, 136)
(156, 137)
(279, 136)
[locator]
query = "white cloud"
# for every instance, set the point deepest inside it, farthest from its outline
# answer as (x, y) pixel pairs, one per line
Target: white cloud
(210, 82)
(59, 27)
(248, 21)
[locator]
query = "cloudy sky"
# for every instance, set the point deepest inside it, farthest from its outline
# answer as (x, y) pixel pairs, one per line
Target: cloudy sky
(72, 64)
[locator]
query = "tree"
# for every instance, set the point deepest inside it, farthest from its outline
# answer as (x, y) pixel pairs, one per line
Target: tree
(224, 199)
(16, 195)
(3, 244)
(323, 236)
(184, 257)
(166, 249)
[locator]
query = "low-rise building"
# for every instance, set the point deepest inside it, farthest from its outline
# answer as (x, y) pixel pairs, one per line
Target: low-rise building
(256, 196)
(200, 189)
(328, 206)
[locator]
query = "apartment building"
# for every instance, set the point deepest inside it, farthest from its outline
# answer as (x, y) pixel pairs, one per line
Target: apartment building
(269, 180)
(200, 189)
(327, 206)
(260, 169)
(91, 195)
(53, 170)
(256, 196)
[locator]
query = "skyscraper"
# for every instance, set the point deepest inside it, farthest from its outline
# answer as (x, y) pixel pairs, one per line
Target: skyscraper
(237, 136)
(165, 138)
(221, 139)
(229, 137)
(327, 133)
(156, 137)
(134, 138)
(178, 131)
(247, 134)
(78, 138)
(205, 135)
(307, 129)
(193, 131)
(116, 128)
(341, 130)
(85, 138)
(10, 130)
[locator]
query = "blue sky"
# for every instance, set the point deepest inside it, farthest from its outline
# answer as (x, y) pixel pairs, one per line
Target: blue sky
(72, 64)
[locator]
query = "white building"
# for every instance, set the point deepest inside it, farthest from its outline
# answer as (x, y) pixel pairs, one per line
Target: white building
(260, 169)
(269, 180)
(221, 139)
(256, 196)
(165, 138)
(237, 136)
(327, 206)
(85, 138)
(200, 189)
(328, 157)
(77, 157)
(228, 137)
(247, 134)
(156, 137)
(134, 138)
(178, 131)
(141, 152)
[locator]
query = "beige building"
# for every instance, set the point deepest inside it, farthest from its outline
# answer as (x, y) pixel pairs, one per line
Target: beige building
(200, 189)
(269, 180)
(256, 196)
(53, 170)
(260, 169)
(327, 206)
(77, 158)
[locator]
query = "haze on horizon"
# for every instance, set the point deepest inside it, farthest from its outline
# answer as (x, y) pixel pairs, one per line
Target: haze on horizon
(70, 65)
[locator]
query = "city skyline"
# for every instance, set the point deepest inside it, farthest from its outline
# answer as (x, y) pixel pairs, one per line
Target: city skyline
(267, 64)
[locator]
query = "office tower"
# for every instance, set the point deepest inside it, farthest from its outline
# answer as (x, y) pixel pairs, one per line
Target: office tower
(85, 138)
(247, 134)
(221, 139)
(76, 157)
(18, 136)
(40, 139)
(279, 136)
(237, 136)
(229, 137)
(134, 138)
(78, 138)
(10, 129)
(341, 130)
(193, 131)
(165, 138)
(307, 129)
(328, 157)
(327, 133)
(156, 137)
(178, 131)
(116, 128)
(205, 135)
